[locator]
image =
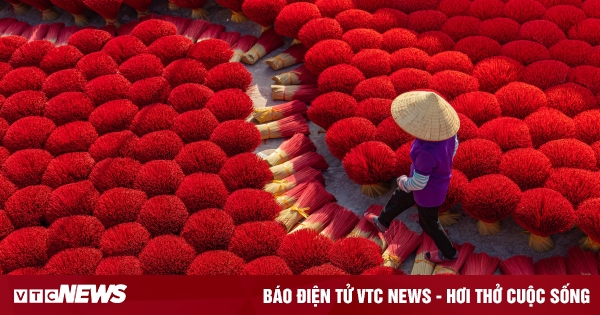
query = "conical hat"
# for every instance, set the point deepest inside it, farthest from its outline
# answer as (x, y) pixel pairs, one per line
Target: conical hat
(425, 115)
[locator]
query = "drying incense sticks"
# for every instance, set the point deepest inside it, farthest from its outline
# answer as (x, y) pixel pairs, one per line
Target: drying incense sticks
(271, 113)
(284, 128)
(305, 92)
(300, 75)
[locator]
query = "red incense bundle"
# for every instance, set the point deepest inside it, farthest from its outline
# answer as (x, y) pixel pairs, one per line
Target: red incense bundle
(305, 92)
(284, 128)
(371, 164)
(267, 42)
(517, 266)
(402, 242)
(53, 32)
(242, 45)
(300, 75)
(342, 224)
(108, 9)
(551, 266)
(36, 32)
(452, 267)
(279, 187)
(65, 34)
(423, 266)
(212, 31)
(45, 6)
(194, 29)
(289, 198)
(19, 7)
(126, 28)
(313, 198)
(5, 23)
(480, 264)
(364, 228)
(291, 148)
(320, 219)
(16, 28)
(289, 57)
(230, 38)
(141, 6)
(180, 23)
(76, 7)
(581, 263)
(263, 12)
(310, 159)
(271, 113)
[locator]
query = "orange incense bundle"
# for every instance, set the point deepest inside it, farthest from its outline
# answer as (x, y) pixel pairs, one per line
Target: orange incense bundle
(581, 263)
(305, 92)
(65, 33)
(267, 42)
(213, 31)
(16, 28)
(284, 128)
(76, 7)
(45, 6)
(53, 32)
(320, 219)
(289, 57)
(194, 29)
(289, 149)
(517, 266)
(551, 266)
(313, 198)
(364, 228)
(342, 224)
(108, 9)
(480, 264)
(310, 159)
(271, 113)
(36, 32)
(195, 5)
(402, 242)
(180, 23)
(290, 197)
(280, 187)
(242, 45)
(141, 6)
(230, 38)
(423, 266)
(19, 7)
(300, 75)
(452, 267)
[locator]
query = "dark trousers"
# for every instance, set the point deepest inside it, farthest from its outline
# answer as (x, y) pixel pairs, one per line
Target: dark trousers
(428, 220)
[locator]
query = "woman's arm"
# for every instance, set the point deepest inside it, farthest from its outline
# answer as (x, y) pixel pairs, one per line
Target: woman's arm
(417, 182)
(424, 164)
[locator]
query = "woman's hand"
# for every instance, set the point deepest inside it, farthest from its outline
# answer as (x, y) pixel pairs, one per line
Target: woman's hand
(401, 181)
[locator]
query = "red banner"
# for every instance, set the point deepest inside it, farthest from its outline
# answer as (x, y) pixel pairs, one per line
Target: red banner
(298, 295)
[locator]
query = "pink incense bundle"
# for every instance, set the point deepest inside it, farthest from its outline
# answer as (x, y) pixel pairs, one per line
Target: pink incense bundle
(581, 263)
(320, 219)
(452, 267)
(271, 113)
(551, 266)
(53, 32)
(313, 198)
(65, 34)
(16, 28)
(284, 128)
(36, 32)
(364, 228)
(213, 31)
(279, 187)
(141, 6)
(517, 266)
(291, 148)
(480, 264)
(230, 38)
(402, 242)
(19, 7)
(180, 23)
(76, 7)
(194, 29)
(242, 45)
(108, 9)
(290, 197)
(5, 23)
(289, 57)
(300, 75)
(267, 42)
(423, 266)
(342, 224)
(45, 6)
(305, 92)
(310, 159)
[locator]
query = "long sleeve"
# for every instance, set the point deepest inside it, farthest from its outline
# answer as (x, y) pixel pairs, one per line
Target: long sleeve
(414, 183)
(455, 147)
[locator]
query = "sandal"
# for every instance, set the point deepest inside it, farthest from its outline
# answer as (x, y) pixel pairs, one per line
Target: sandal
(437, 257)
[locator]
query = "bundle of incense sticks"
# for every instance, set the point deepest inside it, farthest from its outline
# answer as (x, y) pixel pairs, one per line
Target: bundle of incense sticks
(36, 32)
(300, 75)
(313, 198)
(452, 267)
(194, 29)
(211, 32)
(242, 45)
(402, 242)
(16, 28)
(480, 264)
(305, 92)
(267, 42)
(284, 128)
(230, 38)
(19, 7)
(310, 159)
(423, 266)
(53, 32)
(291, 56)
(342, 224)
(290, 197)
(65, 33)
(271, 113)
(281, 187)
(364, 228)
(518, 266)
(180, 23)
(320, 219)
(555, 265)
(289, 149)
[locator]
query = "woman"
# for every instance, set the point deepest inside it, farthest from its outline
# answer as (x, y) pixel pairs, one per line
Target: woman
(434, 123)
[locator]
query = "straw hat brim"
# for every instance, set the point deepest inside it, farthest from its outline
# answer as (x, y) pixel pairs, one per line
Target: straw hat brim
(425, 115)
